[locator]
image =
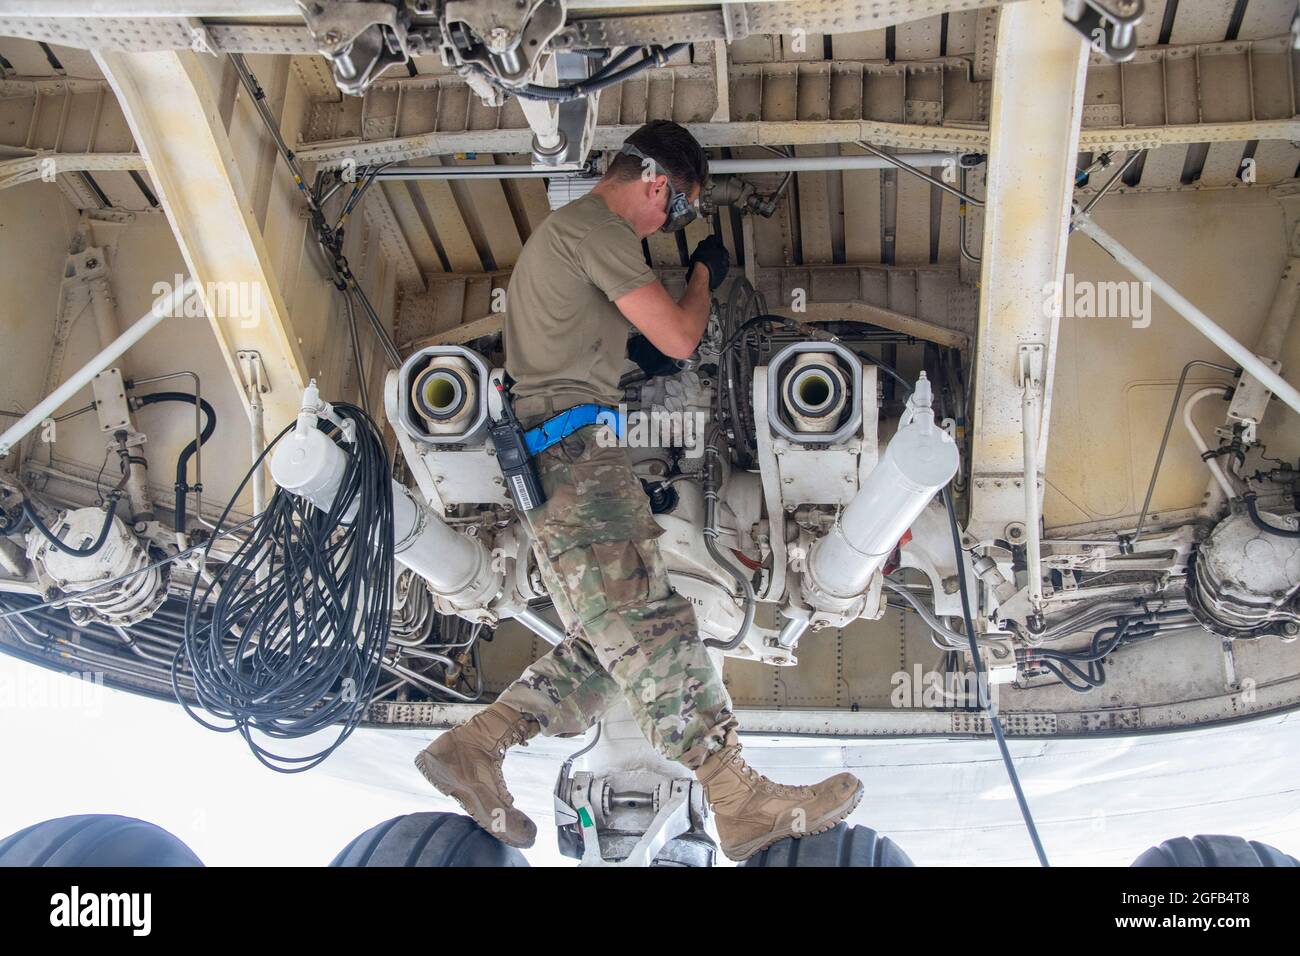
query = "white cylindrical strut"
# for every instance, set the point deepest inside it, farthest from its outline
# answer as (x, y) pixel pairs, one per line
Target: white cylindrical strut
(1243, 356)
(309, 464)
(921, 459)
(163, 306)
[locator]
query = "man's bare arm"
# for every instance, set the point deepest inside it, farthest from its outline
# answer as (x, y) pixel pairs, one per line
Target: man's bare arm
(674, 328)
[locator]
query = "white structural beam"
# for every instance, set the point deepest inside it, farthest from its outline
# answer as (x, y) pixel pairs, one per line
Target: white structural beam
(173, 113)
(1034, 135)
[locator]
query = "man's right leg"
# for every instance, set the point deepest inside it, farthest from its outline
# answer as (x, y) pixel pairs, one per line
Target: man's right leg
(560, 695)
(565, 691)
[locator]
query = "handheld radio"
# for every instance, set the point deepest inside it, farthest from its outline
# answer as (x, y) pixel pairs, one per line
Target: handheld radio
(512, 456)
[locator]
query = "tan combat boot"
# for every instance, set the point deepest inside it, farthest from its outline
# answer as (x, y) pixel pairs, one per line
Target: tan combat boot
(465, 764)
(752, 812)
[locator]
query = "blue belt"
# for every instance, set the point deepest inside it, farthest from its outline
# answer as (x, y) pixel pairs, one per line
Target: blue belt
(555, 429)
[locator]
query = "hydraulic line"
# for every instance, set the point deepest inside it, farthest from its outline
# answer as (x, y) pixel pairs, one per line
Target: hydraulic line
(182, 486)
(711, 493)
(30, 511)
(1262, 525)
(956, 641)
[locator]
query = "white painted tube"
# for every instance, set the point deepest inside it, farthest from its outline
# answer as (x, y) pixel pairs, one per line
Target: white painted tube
(921, 459)
(1215, 468)
(115, 9)
(779, 164)
(717, 167)
(1243, 356)
(163, 307)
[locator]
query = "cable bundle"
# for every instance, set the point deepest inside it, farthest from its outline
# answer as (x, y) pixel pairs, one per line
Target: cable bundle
(300, 616)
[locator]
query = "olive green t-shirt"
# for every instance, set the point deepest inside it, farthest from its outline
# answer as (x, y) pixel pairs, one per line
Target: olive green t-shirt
(564, 337)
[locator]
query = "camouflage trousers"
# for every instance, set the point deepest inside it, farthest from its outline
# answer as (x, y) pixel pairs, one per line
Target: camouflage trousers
(630, 636)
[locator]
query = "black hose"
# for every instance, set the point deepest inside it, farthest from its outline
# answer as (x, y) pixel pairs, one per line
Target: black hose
(85, 552)
(980, 681)
(182, 462)
(603, 78)
(1263, 525)
(616, 63)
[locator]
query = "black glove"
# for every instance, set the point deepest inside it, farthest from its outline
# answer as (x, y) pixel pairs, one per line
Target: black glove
(712, 254)
(649, 359)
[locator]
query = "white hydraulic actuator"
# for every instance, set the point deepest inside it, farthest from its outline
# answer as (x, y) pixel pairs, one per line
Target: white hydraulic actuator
(311, 465)
(920, 459)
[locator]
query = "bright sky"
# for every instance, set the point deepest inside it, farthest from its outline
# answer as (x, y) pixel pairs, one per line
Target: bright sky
(70, 746)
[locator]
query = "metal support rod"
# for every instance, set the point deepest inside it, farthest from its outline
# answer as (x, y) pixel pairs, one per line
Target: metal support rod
(1164, 440)
(1110, 183)
(162, 307)
(539, 626)
(1033, 543)
(924, 159)
(1243, 356)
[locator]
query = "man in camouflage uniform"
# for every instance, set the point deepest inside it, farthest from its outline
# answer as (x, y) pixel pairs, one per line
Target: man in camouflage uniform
(580, 280)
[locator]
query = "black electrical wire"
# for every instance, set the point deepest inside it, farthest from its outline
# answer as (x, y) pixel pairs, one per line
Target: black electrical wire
(299, 617)
(981, 682)
(30, 511)
(603, 78)
(110, 582)
(182, 486)
(1255, 519)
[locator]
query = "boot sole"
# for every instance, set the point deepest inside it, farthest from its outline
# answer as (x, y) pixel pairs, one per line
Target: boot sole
(431, 770)
(739, 854)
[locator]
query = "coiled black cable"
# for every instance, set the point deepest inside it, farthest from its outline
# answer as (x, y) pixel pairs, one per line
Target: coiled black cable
(300, 616)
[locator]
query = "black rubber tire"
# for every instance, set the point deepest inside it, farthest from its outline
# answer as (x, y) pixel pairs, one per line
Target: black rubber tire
(842, 845)
(428, 839)
(95, 839)
(1214, 850)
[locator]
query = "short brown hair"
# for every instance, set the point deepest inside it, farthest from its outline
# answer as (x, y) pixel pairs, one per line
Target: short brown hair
(673, 147)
